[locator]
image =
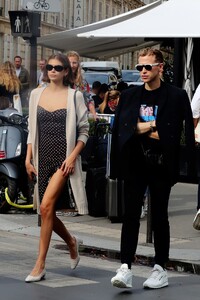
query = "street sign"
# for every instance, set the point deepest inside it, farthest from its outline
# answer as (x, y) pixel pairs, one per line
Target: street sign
(42, 5)
(25, 24)
(78, 13)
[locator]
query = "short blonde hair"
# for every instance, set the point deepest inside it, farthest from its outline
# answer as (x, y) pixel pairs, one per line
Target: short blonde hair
(152, 52)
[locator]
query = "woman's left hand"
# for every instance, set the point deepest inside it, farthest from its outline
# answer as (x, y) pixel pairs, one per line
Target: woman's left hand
(68, 166)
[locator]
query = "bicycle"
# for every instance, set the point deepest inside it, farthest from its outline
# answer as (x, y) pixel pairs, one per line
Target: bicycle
(42, 4)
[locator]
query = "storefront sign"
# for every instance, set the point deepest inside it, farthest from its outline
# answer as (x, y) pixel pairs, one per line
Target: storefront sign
(78, 13)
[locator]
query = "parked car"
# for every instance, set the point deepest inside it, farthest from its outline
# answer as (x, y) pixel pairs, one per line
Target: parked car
(101, 66)
(131, 77)
(104, 77)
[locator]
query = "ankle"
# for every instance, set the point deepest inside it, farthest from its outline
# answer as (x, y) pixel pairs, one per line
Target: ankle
(40, 265)
(72, 242)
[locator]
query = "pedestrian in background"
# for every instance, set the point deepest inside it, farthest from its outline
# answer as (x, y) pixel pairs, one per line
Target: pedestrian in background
(41, 72)
(58, 131)
(95, 88)
(110, 102)
(99, 97)
(79, 82)
(23, 75)
(9, 82)
(122, 86)
(145, 152)
(45, 79)
(195, 105)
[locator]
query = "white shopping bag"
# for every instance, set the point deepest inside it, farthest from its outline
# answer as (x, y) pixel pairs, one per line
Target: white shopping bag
(17, 103)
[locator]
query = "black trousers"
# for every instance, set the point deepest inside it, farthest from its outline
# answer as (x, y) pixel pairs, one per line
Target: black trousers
(156, 178)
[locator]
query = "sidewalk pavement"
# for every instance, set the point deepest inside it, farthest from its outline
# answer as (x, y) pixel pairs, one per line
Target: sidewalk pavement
(101, 237)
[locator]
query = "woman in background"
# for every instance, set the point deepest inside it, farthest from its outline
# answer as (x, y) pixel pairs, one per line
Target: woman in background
(110, 102)
(79, 83)
(9, 82)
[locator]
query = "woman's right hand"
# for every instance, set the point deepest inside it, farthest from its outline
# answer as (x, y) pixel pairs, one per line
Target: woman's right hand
(31, 171)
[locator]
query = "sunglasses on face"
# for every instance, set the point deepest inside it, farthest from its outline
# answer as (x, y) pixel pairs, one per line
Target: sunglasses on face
(57, 68)
(147, 67)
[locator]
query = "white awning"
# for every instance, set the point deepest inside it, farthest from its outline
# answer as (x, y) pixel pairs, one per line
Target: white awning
(99, 47)
(171, 19)
(129, 31)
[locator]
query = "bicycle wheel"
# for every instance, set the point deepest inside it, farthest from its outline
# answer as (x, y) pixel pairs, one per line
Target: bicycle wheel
(46, 6)
(37, 5)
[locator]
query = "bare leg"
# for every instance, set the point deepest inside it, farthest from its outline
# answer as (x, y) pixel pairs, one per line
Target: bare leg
(48, 217)
(60, 229)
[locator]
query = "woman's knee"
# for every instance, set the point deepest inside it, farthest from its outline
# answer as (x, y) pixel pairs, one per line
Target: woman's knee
(46, 210)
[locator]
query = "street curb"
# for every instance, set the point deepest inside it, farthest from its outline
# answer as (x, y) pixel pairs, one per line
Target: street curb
(172, 265)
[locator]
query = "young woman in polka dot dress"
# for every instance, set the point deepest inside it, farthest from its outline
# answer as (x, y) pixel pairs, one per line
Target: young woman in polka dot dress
(58, 131)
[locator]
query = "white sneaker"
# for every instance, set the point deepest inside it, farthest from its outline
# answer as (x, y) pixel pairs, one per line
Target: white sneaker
(123, 279)
(158, 278)
(196, 222)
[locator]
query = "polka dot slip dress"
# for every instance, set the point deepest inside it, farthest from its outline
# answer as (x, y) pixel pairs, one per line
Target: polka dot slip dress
(52, 152)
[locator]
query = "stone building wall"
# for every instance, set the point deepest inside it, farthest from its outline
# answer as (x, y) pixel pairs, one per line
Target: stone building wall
(92, 11)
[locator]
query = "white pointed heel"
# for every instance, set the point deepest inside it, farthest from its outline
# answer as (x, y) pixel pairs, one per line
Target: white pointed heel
(74, 261)
(40, 277)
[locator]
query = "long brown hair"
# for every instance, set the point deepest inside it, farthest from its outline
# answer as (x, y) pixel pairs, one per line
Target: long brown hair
(78, 78)
(68, 79)
(8, 77)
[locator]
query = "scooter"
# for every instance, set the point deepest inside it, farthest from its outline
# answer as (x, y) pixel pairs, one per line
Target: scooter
(15, 189)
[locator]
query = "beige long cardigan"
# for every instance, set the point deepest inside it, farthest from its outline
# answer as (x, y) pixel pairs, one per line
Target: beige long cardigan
(77, 127)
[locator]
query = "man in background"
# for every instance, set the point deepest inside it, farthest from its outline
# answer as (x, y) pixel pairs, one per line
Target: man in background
(24, 77)
(40, 72)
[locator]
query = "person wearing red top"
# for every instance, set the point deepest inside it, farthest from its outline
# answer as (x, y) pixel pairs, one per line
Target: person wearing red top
(80, 83)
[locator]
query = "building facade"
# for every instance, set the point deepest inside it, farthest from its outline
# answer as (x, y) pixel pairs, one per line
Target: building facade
(73, 14)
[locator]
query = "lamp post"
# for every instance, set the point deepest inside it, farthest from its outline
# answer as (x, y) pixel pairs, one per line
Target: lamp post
(33, 55)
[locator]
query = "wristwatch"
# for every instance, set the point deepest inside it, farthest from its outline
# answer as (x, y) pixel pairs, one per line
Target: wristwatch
(152, 128)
